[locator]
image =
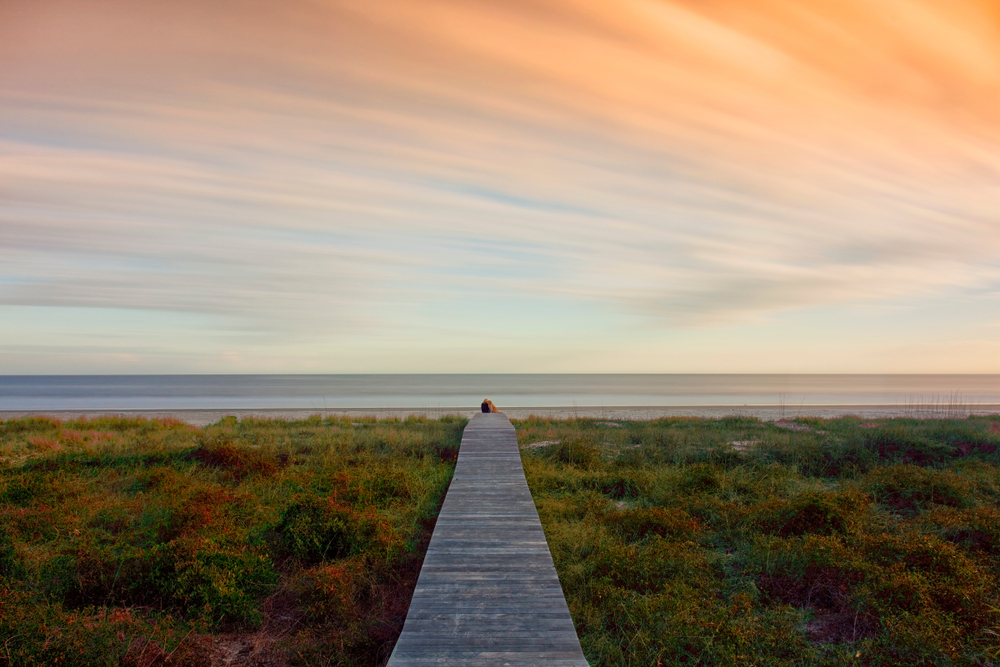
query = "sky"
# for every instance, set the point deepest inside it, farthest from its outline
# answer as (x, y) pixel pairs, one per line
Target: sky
(424, 186)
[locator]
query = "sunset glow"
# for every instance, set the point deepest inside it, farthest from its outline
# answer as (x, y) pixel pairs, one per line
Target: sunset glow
(517, 186)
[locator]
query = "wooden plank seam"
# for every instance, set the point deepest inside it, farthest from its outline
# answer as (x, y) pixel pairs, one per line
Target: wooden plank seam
(488, 594)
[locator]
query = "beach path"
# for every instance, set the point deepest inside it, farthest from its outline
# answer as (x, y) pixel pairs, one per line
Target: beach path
(488, 593)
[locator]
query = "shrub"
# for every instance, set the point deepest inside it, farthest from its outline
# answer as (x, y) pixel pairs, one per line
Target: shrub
(222, 583)
(13, 427)
(331, 592)
(619, 487)
(9, 565)
(975, 529)
(900, 441)
(650, 566)
(203, 510)
(577, 451)
(820, 513)
(219, 450)
(22, 489)
(706, 559)
(699, 478)
(843, 459)
(384, 486)
(316, 529)
(139, 543)
(967, 436)
(908, 488)
(80, 575)
(641, 522)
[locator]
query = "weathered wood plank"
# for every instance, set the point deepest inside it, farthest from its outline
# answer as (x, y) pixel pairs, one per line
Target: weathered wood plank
(488, 593)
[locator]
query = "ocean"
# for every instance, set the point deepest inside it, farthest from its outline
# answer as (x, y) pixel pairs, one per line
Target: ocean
(329, 393)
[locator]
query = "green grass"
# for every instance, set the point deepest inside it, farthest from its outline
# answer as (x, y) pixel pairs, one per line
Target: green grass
(738, 542)
(680, 541)
(136, 542)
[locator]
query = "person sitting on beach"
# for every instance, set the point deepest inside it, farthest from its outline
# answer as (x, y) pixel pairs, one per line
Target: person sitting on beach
(488, 406)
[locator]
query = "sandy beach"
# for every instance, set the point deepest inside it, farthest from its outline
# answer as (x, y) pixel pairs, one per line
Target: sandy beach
(763, 412)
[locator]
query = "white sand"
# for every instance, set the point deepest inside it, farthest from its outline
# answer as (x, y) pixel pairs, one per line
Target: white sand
(767, 413)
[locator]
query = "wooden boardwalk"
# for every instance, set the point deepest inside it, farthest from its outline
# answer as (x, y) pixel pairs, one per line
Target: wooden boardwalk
(488, 593)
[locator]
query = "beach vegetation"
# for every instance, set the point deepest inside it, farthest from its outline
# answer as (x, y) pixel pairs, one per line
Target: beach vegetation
(803, 542)
(253, 542)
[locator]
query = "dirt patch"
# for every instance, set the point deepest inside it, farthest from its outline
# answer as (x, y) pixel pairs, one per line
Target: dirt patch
(969, 448)
(826, 592)
(743, 445)
(543, 443)
(838, 627)
(616, 451)
(792, 426)
(824, 588)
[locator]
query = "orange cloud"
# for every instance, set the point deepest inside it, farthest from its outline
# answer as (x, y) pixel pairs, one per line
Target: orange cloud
(679, 163)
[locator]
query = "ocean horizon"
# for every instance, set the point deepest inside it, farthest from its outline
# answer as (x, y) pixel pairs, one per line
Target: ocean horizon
(329, 393)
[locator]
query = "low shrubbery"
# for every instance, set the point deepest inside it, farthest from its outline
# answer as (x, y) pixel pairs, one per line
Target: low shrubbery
(680, 541)
(740, 542)
(136, 542)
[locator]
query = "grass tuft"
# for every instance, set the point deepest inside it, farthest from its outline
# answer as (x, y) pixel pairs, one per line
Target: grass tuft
(263, 542)
(739, 542)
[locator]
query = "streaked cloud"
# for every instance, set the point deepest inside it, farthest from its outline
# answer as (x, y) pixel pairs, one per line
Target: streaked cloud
(341, 185)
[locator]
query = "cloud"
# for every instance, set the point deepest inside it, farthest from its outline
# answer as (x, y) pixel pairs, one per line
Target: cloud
(343, 168)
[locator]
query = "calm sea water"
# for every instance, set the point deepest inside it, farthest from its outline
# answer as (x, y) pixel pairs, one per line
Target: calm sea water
(332, 392)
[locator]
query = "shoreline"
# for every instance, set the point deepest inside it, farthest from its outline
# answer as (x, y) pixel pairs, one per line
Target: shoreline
(204, 417)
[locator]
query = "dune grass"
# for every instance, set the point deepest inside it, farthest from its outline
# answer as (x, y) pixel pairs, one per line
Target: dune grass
(739, 542)
(678, 541)
(136, 542)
